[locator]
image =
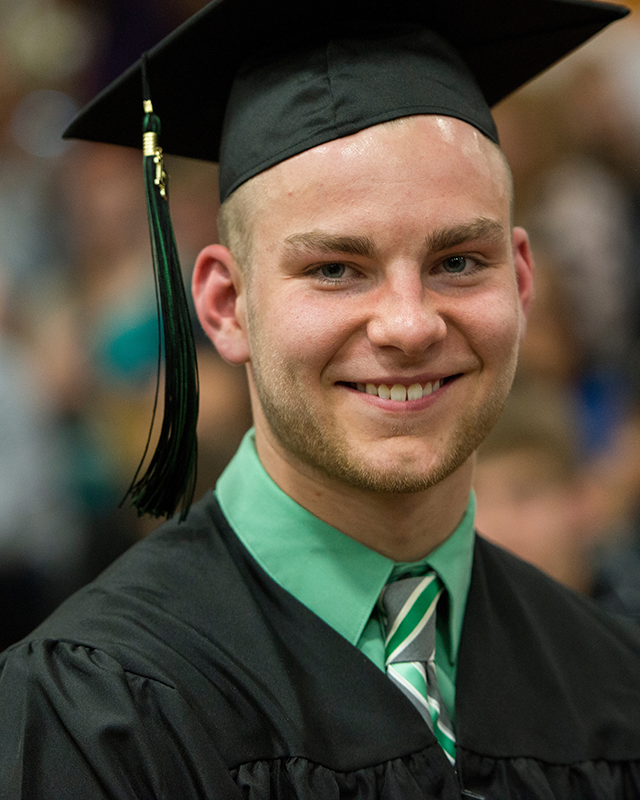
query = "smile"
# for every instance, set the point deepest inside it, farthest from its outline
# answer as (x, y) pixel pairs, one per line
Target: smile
(398, 391)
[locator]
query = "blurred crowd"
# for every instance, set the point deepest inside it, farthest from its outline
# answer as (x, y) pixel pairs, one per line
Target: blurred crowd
(559, 480)
(78, 325)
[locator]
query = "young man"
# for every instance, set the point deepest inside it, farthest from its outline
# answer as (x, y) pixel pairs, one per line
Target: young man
(327, 624)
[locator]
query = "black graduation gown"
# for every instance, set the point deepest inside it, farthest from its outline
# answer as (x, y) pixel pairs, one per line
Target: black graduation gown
(185, 672)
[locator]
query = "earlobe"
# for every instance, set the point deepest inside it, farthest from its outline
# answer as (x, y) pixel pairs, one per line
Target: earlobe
(524, 265)
(217, 288)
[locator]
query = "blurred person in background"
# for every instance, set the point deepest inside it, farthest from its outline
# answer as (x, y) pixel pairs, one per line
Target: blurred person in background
(557, 478)
(532, 497)
(538, 498)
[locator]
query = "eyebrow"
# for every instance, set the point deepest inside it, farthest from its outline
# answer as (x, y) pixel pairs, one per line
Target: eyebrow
(482, 228)
(318, 241)
(437, 241)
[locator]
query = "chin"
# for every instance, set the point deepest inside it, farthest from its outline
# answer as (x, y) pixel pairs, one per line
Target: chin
(391, 474)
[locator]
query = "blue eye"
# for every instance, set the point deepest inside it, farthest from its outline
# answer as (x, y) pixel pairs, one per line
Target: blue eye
(455, 264)
(333, 271)
(334, 274)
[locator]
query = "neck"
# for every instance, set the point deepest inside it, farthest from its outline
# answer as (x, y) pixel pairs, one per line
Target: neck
(400, 526)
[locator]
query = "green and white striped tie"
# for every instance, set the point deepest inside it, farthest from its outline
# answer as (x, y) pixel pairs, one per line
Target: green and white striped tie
(409, 606)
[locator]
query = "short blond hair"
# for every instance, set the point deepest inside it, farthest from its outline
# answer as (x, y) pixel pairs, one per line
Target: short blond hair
(236, 218)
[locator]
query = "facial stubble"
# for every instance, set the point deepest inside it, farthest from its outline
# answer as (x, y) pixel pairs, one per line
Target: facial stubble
(317, 443)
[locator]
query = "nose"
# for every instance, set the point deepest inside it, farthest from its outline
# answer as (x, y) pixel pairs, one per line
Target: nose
(406, 316)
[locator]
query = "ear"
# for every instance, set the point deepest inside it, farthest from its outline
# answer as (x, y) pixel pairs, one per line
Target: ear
(523, 259)
(218, 294)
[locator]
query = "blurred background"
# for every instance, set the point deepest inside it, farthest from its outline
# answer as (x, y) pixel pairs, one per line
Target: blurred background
(559, 480)
(78, 329)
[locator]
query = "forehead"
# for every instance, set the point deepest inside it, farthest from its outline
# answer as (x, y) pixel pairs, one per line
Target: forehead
(434, 164)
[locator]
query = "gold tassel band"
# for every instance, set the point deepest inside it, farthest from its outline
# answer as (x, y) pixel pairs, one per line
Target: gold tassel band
(148, 106)
(149, 143)
(150, 149)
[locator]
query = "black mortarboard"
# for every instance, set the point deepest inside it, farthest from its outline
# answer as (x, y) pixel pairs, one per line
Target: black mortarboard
(282, 62)
(250, 84)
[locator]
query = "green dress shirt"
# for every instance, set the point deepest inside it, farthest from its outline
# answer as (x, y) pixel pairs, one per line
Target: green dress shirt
(332, 574)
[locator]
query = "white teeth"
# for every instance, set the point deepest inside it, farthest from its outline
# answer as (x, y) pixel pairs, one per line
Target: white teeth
(398, 392)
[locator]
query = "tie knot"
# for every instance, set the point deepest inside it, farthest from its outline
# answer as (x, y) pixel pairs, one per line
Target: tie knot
(409, 606)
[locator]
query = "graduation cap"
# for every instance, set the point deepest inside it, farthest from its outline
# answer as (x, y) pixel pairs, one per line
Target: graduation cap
(249, 83)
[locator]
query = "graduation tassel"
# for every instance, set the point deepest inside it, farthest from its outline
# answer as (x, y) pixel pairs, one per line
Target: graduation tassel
(169, 480)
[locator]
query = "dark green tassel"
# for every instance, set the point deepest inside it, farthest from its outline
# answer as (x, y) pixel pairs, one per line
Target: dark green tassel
(169, 480)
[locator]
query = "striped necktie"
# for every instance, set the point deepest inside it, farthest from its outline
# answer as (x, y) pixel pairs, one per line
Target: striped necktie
(409, 606)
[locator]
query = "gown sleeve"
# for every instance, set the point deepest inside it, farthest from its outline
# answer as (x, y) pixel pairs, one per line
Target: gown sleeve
(75, 724)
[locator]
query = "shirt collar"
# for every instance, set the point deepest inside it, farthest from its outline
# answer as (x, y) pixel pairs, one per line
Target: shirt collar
(335, 576)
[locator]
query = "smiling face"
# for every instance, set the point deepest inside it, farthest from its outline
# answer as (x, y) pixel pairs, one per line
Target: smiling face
(384, 306)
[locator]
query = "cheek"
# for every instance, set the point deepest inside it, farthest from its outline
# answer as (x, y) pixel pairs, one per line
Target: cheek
(493, 330)
(295, 326)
